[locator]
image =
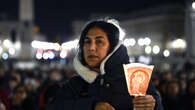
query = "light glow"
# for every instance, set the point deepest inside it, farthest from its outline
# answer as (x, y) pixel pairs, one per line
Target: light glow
(7, 43)
(5, 56)
(1, 49)
(45, 45)
(179, 44)
(166, 53)
(129, 42)
(141, 42)
(17, 45)
(63, 54)
(51, 55)
(56, 46)
(156, 49)
(12, 51)
(70, 45)
(45, 55)
(193, 5)
(147, 41)
(39, 56)
(148, 49)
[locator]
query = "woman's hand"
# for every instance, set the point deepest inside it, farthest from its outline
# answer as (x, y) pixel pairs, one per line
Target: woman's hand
(144, 102)
(103, 106)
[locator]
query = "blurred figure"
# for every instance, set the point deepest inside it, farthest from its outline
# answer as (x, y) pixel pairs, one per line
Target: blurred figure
(49, 87)
(162, 88)
(2, 105)
(48, 94)
(188, 100)
(12, 83)
(32, 84)
(182, 80)
(183, 86)
(167, 76)
(4, 100)
(188, 65)
(69, 73)
(171, 100)
(3, 79)
(191, 75)
(20, 99)
(156, 80)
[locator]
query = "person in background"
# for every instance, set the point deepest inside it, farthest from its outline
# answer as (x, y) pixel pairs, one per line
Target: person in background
(188, 100)
(100, 83)
(4, 100)
(21, 100)
(172, 98)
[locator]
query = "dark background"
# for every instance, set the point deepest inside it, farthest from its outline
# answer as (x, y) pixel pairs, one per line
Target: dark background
(54, 17)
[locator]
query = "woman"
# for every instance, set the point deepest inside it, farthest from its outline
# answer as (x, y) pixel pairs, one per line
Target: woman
(100, 84)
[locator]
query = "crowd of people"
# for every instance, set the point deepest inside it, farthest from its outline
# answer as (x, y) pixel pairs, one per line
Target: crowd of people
(32, 90)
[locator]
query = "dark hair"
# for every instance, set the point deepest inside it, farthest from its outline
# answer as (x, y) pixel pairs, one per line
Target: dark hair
(110, 29)
(189, 83)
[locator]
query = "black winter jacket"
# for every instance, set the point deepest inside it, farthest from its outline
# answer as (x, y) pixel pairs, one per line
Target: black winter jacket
(84, 91)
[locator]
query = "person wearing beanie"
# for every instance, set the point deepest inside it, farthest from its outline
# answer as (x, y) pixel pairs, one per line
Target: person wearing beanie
(100, 83)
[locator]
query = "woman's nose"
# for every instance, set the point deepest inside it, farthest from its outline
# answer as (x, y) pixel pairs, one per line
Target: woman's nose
(92, 46)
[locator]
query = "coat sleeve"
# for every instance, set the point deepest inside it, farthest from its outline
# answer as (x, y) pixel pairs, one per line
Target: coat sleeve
(152, 91)
(68, 98)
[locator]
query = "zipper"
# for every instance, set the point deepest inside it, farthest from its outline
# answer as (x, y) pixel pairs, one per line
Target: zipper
(101, 81)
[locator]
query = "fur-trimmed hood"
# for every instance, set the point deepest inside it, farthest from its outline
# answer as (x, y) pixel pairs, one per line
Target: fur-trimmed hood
(90, 75)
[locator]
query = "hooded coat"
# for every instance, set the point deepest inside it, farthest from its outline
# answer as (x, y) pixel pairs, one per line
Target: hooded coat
(82, 92)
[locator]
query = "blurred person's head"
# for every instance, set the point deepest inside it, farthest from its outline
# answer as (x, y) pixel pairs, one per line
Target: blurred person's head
(191, 88)
(172, 89)
(29, 83)
(183, 85)
(162, 87)
(55, 75)
(156, 80)
(17, 76)
(191, 75)
(167, 76)
(19, 94)
(182, 75)
(97, 39)
(37, 83)
(12, 83)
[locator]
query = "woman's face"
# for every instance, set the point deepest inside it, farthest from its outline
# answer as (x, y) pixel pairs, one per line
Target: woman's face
(96, 47)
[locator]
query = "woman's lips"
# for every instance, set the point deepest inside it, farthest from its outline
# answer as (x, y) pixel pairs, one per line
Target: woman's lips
(92, 56)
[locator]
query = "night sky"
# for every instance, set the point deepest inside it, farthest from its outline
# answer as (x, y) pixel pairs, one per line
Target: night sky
(54, 16)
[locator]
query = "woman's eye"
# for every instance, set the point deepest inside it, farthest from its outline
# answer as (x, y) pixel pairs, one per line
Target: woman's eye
(99, 41)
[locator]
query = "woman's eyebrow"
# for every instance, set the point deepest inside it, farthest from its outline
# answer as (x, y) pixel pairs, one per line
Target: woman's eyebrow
(99, 37)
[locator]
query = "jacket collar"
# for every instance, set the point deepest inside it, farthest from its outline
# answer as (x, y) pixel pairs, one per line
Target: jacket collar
(86, 73)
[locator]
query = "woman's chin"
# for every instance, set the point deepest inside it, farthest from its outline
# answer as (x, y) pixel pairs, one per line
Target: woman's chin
(93, 65)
